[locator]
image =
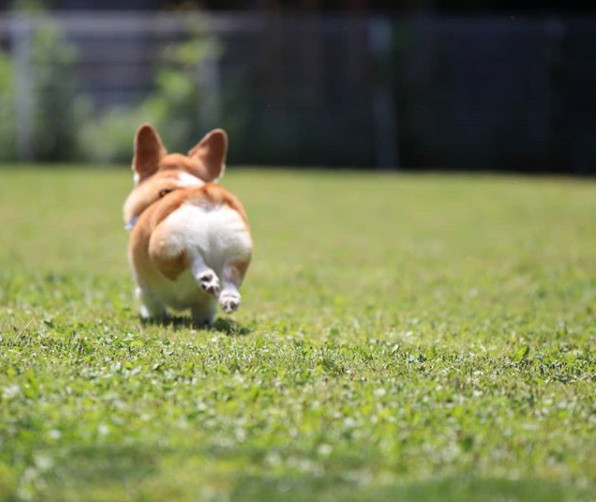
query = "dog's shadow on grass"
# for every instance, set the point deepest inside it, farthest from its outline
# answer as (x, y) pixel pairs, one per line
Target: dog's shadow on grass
(221, 324)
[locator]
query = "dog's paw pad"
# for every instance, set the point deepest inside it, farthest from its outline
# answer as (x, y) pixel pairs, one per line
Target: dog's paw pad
(209, 282)
(229, 301)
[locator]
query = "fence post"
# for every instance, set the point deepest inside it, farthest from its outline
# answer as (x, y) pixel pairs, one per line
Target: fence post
(208, 80)
(21, 33)
(386, 131)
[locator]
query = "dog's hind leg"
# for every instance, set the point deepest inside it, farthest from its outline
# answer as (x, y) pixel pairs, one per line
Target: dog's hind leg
(232, 275)
(203, 312)
(151, 307)
(205, 276)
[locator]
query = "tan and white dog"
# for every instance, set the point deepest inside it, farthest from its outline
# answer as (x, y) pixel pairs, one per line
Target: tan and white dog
(190, 244)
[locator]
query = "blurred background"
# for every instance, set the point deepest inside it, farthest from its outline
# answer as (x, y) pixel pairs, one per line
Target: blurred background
(414, 84)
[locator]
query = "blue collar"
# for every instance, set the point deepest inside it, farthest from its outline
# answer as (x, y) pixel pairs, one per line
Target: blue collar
(131, 223)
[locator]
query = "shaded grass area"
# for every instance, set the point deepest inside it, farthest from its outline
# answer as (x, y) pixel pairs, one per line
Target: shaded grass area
(401, 337)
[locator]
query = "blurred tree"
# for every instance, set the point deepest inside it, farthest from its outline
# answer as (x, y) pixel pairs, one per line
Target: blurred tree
(177, 106)
(7, 108)
(55, 94)
(43, 88)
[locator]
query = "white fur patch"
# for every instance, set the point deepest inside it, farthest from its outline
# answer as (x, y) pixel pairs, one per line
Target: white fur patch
(188, 180)
(213, 235)
(218, 234)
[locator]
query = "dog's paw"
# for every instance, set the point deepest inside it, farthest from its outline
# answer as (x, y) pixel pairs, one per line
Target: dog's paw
(209, 282)
(229, 301)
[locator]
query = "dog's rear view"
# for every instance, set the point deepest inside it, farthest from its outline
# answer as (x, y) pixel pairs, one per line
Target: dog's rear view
(190, 244)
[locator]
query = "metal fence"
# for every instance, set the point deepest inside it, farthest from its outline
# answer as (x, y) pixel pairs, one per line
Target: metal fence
(430, 92)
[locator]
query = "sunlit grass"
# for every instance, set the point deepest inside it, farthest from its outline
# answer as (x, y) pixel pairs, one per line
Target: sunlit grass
(401, 337)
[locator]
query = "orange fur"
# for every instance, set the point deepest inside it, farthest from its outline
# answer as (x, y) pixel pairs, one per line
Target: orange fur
(148, 151)
(148, 192)
(178, 161)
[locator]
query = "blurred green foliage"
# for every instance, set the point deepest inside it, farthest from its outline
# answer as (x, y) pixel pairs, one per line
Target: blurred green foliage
(59, 110)
(7, 109)
(63, 126)
(173, 107)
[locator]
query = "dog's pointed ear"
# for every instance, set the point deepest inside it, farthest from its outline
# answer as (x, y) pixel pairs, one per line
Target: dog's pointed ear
(211, 152)
(149, 150)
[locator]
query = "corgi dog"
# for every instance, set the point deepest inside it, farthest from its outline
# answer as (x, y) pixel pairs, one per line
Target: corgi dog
(190, 244)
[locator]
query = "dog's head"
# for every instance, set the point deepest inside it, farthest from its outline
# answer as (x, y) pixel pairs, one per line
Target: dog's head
(157, 173)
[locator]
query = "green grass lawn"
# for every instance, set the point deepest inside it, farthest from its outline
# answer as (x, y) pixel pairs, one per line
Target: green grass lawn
(413, 337)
